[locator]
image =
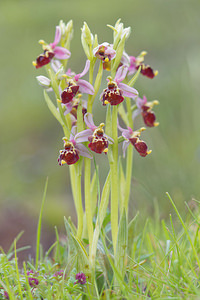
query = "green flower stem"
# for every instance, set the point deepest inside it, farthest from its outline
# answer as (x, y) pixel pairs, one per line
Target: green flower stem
(113, 159)
(88, 207)
(129, 159)
(78, 198)
(91, 71)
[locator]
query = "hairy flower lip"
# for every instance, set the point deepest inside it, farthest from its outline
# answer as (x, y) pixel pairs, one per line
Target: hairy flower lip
(133, 137)
(116, 90)
(99, 141)
(72, 149)
(145, 109)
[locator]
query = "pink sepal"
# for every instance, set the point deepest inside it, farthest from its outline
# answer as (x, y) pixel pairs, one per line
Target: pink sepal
(86, 69)
(127, 90)
(83, 151)
(83, 136)
(57, 37)
(61, 53)
(85, 87)
(89, 121)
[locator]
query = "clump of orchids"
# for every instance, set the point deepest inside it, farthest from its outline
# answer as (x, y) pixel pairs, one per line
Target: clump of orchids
(84, 139)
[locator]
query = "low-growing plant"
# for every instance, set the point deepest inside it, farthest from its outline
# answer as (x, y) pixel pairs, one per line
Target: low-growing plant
(105, 256)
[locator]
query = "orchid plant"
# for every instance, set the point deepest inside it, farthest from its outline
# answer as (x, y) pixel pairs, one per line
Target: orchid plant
(70, 99)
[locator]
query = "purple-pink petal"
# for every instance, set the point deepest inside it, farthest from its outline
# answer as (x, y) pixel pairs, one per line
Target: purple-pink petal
(121, 73)
(83, 151)
(127, 134)
(124, 147)
(89, 121)
(69, 107)
(57, 37)
(61, 53)
(127, 90)
(132, 68)
(73, 132)
(85, 87)
(86, 69)
(82, 136)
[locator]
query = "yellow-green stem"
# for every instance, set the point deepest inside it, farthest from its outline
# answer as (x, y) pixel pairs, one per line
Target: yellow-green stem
(114, 179)
(79, 200)
(88, 208)
(129, 159)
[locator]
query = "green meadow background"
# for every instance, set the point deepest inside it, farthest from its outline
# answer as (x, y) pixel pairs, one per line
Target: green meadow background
(30, 138)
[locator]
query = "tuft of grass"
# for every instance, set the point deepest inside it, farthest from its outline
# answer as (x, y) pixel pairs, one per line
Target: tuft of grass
(156, 260)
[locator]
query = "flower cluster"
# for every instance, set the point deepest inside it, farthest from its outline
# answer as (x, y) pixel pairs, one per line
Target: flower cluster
(70, 87)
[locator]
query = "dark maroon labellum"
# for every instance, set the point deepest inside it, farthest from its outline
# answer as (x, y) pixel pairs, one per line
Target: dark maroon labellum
(69, 93)
(44, 59)
(141, 147)
(98, 143)
(146, 71)
(68, 155)
(149, 118)
(112, 94)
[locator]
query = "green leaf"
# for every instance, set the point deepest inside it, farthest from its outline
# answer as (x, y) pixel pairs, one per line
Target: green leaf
(40, 225)
(122, 244)
(53, 108)
(122, 185)
(135, 77)
(119, 53)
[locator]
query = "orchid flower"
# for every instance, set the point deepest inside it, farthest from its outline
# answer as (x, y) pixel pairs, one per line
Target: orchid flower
(116, 90)
(132, 137)
(99, 141)
(73, 149)
(105, 52)
(51, 50)
(145, 109)
(75, 85)
(136, 62)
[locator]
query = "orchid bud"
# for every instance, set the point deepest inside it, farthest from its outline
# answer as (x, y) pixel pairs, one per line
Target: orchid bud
(87, 41)
(44, 81)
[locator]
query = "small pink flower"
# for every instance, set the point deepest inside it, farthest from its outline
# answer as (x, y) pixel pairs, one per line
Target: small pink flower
(99, 141)
(145, 109)
(75, 85)
(81, 278)
(132, 137)
(136, 62)
(105, 52)
(73, 149)
(116, 90)
(52, 50)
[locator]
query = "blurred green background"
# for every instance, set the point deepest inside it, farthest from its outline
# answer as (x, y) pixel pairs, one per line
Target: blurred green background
(30, 138)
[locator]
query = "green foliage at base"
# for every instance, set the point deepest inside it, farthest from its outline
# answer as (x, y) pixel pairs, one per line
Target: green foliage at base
(155, 261)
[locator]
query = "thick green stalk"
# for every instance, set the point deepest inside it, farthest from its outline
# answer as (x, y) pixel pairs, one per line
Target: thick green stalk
(129, 159)
(113, 159)
(91, 71)
(88, 207)
(78, 197)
